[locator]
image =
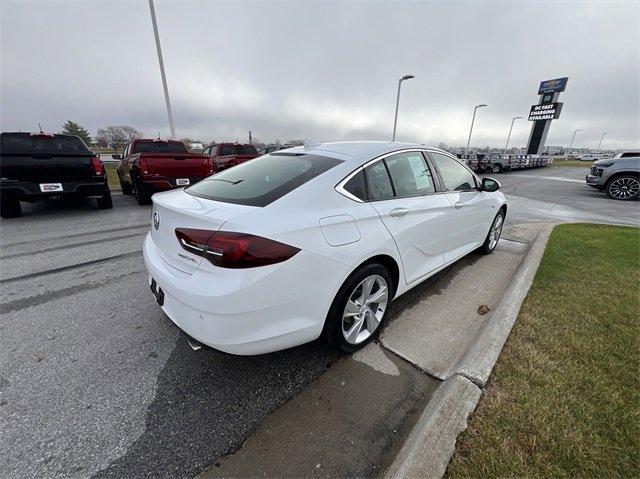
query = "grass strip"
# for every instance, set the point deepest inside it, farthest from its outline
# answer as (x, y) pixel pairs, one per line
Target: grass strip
(563, 399)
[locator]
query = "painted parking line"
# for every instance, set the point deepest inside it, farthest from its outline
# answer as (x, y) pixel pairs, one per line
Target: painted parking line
(538, 177)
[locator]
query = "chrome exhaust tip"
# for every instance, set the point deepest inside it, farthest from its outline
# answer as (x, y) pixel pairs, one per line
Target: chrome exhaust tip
(195, 345)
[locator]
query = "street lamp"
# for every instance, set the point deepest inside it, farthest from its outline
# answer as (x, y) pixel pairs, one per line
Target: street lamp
(395, 120)
(601, 138)
(164, 78)
(573, 138)
(472, 121)
(509, 136)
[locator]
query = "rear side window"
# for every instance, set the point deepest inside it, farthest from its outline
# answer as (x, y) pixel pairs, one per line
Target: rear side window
(226, 150)
(159, 147)
(410, 174)
(356, 186)
(264, 180)
(455, 176)
(245, 150)
(26, 143)
(378, 182)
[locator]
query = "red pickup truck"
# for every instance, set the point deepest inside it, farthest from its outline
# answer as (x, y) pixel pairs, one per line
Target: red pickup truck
(226, 155)
(149, 166)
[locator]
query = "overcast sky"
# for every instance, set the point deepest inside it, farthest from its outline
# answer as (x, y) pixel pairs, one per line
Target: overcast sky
(323, 71)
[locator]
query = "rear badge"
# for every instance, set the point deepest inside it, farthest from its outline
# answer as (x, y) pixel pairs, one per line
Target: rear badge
(156, 220)
(188, 258)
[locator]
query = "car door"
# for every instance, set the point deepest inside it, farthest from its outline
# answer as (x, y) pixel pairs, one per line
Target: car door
(403, 190)
(473, 209)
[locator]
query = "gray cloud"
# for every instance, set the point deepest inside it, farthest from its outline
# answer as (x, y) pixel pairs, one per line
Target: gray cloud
(326, 71)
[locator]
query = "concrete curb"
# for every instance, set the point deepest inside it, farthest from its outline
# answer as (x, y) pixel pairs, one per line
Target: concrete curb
(477, 362)
(431, 443)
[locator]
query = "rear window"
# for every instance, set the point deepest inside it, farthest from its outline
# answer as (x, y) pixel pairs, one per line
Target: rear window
(246, 150)
(264, 180)
(159, 147)
(26, 143)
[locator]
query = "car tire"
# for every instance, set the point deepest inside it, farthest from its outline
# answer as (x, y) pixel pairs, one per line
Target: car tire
(351, 331)
(493, 236)
(142, 197)
(623, 187)
(10, 209)
(105, 202)
(125, 188)
(496, 168)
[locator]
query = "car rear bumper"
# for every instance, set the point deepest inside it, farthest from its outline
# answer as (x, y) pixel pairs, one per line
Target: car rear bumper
(30, 191)
(248, 311)
(163, 183)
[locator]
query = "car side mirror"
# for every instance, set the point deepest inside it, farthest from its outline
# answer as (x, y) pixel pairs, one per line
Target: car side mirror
(490, 185)
(116, 157)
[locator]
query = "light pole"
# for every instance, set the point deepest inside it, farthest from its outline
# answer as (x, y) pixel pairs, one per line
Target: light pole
(573, 138)
(472, 121)
(164, 78)
(509, 136)
(395, 120)
(601, 138)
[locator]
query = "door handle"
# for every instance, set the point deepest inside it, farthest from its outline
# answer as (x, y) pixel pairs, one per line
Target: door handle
(459, 205)
(399, 211)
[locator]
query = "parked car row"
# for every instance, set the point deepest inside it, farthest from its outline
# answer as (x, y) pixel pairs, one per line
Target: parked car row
(148, 166)
(498, 163)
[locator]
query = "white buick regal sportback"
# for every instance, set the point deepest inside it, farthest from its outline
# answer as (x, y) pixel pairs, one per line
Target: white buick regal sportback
(313, 241)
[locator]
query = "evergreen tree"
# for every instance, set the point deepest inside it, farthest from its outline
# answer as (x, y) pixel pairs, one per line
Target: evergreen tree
(72, 128)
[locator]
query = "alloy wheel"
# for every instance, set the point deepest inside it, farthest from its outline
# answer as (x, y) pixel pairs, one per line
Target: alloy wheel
(365, 309)
(624, 188)
(496, 231)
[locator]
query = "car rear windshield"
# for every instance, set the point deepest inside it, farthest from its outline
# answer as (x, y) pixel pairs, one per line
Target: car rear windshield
(159, 147)
(26, 143)
(262, 181)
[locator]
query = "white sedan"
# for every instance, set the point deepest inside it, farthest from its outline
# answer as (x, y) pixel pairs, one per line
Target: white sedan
(313, 241)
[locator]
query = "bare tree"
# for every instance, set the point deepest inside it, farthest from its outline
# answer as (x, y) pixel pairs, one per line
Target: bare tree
(117, 136)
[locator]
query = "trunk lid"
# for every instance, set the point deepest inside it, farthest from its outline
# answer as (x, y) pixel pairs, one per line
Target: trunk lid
(177, 165)
(177, 209)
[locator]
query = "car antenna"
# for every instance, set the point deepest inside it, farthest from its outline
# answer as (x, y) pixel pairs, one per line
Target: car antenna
(40, 126)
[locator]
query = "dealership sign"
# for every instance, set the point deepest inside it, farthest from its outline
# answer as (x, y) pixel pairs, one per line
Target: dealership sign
(553, 86)
(549, 111)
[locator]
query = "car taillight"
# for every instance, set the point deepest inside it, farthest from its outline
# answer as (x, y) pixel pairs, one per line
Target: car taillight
(234, 250)
(143, 166)
(98, 167)
(209, 162)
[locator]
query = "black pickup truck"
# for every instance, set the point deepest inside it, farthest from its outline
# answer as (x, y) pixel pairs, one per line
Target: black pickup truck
(37, 166)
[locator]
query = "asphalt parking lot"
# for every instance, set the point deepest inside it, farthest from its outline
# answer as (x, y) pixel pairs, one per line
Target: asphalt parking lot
(95, 380)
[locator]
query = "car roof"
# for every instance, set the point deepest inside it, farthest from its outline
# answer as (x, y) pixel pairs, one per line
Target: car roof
(35, 133)
(156, 140)
(349, 151)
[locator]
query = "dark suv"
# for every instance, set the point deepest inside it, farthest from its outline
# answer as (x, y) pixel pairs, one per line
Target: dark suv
(37, 166)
